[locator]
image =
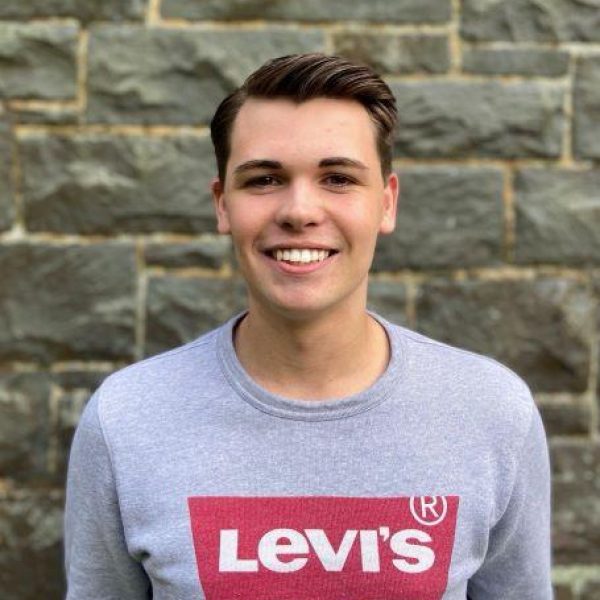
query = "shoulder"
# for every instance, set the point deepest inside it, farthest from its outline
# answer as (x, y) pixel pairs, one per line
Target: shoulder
(151, 387)
(466, 385)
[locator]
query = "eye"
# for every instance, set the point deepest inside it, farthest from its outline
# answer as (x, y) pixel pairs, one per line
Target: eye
(339, 180)
(262, 181)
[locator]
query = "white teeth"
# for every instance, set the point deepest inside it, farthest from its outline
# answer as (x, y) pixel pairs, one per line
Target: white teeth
(300, 255)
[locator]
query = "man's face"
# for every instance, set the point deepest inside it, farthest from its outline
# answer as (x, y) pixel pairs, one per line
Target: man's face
(304, 200)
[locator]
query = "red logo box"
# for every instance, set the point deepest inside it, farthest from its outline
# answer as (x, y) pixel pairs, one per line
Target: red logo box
(338, 548)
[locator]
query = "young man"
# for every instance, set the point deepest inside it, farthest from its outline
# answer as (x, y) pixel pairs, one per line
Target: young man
(308, 449)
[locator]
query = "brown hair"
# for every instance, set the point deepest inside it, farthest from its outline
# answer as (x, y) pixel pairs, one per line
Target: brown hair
(302, 77)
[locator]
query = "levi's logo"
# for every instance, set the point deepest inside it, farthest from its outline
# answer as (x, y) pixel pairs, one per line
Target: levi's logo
(338, 548)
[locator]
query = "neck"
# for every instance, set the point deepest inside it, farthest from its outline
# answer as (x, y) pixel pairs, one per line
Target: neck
(312, 359)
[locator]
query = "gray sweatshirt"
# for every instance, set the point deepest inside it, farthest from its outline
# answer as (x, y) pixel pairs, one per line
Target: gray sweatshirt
(187, 480)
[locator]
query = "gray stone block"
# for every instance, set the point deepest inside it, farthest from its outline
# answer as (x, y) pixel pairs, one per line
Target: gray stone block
(590, 590)
(24, 425)
(575, 507)
(31, 554)
(84, 10)
(208, 254)
(479, 119)
(566, 418)
(6, 195)
(531, 20)
(46, 116)
(563, 592)
(383, 11)
(539, 328)
(38, 61)
(516, 61)
(586, 130)
(75, 379)
(447, 216)
(177, 76)
(67, 302)
(107, 184)
(181, 309)
(396, 54)
(388, 299)
(558, 216)
(70, 407)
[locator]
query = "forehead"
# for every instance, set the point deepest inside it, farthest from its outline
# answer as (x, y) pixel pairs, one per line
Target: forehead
(291, 131)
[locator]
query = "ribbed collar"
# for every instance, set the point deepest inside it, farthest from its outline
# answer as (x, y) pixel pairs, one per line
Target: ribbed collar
(310, 410)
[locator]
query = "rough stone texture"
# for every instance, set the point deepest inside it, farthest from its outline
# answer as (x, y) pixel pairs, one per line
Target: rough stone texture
(179, 310)
(74, 379)
(396, 54)
(6, 197)
(61, 302)
(37, 61)
(388, 299)
(209, 254)
(70, 407)
(531, 20)
(538, 328)
(557, 216)
(84, 10)
(515, 61)
(49, 116)
(586, 132)
(590, 591)
(576, 511)
(31, 563)
(24, 425)
(102, 184)
(446, 216)
(487, 119)
(176, 76)
(563, 592)
(566, 418)
(384, 11)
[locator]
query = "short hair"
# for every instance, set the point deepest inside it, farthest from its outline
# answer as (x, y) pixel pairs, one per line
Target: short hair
(302, 77)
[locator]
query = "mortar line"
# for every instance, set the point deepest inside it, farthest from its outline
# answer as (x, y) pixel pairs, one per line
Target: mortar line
(16, 180)
(508, 198)
(454, 39)
(481, 162)
(141, 297)
(297, 25)
(53, 412)
(594, 382)
(410, 309)
(153, 16)
(46, 105)
(567, 137)
(82, 74)
(201, 131)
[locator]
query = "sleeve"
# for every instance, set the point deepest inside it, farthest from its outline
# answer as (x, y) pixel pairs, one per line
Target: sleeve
(518, 559)
(98, 565)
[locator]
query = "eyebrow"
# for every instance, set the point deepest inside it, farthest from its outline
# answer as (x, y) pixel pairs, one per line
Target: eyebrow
(343, 161)
(257, 164)
(333, 161)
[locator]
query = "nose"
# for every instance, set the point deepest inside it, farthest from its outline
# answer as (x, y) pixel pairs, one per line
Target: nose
(300, 207)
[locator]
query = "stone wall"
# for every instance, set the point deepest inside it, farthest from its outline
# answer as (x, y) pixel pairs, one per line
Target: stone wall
(107, 243)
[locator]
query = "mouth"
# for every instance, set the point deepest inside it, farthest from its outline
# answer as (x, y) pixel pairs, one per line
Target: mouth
(300, 256)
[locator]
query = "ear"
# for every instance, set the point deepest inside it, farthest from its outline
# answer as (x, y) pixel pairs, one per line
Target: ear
(390, 204)
(218, 195)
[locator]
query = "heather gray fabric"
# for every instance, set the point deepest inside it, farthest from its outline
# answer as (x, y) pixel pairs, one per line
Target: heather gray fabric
(191, 423)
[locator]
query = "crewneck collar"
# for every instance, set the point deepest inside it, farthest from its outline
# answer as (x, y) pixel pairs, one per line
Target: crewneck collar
(310, 410)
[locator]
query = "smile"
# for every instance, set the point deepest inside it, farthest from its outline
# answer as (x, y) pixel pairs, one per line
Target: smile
(300, 255)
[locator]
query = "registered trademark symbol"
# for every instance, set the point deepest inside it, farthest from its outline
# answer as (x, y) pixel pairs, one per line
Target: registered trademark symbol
(428, 510)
